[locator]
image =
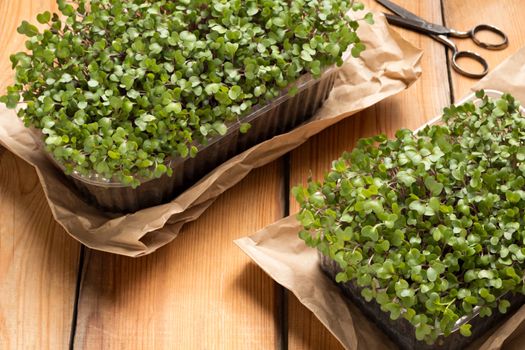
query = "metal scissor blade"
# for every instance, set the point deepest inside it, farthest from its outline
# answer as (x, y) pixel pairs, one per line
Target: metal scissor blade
(409, 20)
(398, 10)
(425, 28)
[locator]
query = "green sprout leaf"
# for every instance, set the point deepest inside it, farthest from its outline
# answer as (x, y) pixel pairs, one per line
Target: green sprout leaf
(432, 274)
(503, 306)
(27, 29)
(44, 17)
(465, 330)
(369, 18)
(245, 127)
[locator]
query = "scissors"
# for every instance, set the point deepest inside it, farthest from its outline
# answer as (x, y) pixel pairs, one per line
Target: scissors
(406, 19)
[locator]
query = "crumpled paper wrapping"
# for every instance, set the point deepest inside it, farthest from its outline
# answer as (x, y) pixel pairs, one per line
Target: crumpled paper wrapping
(388, 66)
(278, 250)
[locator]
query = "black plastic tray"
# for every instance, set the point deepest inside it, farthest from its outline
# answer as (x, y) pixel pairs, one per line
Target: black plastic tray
(402, 332)
(280, 115)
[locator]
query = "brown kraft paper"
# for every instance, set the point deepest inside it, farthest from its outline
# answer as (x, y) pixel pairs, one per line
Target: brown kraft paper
(388, 66)
(278, 250)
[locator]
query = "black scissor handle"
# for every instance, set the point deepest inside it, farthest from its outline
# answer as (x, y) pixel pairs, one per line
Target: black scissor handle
(473, 57)
(489, 28)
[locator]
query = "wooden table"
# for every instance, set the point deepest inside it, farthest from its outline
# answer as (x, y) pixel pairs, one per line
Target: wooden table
(201, 291)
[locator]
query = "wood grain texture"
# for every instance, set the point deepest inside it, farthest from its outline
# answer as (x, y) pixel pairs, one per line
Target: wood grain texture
(38, 264)
(199, 292)
(409, 109)
(508, 15)
(38, 260)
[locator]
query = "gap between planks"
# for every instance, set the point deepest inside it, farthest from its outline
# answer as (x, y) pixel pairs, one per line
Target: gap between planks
(282, 294)
(447, 58)
(74, 316)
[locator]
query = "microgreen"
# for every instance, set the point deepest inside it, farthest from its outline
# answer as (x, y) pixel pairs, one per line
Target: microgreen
(430, 225)
(118, 87)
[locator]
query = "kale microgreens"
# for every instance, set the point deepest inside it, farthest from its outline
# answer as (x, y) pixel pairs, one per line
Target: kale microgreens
(118, 87)
(431, 224)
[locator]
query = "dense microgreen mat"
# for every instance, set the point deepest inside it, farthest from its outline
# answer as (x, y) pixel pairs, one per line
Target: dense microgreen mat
(431, 224)
(118, 86)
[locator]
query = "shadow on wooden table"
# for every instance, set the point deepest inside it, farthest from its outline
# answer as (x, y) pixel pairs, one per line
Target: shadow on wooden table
(256, 289)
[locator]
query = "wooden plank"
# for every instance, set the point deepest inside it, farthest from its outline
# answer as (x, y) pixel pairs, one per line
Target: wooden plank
(199, 292)
(409, 109)
(38, 264)
(38, 260)
(507, 15)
